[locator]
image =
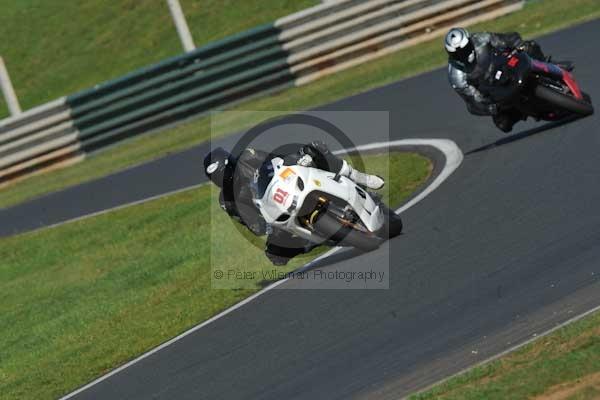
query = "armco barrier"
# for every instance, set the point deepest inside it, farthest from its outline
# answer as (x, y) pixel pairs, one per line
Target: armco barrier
(292, 51)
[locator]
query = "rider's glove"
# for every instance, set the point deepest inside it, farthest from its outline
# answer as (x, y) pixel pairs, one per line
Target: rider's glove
(305, 161)
(493, 109)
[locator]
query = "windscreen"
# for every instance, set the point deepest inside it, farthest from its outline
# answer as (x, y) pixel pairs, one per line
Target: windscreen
(262, 179)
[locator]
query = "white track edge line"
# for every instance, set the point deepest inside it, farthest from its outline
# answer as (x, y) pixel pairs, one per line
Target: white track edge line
(509, 350)
(115, 208)
(454, 157)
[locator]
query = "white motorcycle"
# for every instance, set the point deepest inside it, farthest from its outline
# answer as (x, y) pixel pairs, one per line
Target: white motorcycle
(322, 207)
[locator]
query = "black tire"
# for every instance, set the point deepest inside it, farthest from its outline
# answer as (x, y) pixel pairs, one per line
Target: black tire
(563, 101)
(331, 228)
(393, 223)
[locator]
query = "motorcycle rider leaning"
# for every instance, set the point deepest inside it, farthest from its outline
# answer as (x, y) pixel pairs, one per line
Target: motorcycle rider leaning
(236, 177)
(469, 57)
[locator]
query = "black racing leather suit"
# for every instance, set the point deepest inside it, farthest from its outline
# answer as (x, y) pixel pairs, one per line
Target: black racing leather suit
(237, 195)
(466, 82)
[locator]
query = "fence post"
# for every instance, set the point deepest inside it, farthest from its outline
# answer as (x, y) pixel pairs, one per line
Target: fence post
(8, 90)
(182, 27)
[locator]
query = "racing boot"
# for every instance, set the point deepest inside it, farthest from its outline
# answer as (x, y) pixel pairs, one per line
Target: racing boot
(371, 181)
(566, 65)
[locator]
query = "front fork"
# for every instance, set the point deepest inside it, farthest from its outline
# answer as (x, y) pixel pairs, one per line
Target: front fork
(321, 206)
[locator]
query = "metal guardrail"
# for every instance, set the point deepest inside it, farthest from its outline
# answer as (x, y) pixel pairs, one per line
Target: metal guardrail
(292, 51)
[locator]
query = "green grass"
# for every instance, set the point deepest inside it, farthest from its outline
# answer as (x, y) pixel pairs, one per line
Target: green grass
(79, 299)
(538, 17)
(567, 358)
(53, 48)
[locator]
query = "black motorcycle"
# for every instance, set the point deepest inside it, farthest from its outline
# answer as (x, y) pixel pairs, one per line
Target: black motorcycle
(542, 90)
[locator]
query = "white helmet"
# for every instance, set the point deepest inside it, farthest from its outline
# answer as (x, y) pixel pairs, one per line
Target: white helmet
(459, 46)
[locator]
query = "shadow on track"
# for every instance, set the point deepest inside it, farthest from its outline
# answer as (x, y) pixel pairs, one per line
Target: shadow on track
(342, 255)
(339, 256)
(523, 135)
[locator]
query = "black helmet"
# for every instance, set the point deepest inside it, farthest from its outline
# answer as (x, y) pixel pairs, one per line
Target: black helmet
(460, 47)
(218, 166)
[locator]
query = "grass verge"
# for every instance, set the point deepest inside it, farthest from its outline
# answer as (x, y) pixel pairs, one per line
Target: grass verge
(536, 18)
(79, 299)
(55, 48)
(564, 365)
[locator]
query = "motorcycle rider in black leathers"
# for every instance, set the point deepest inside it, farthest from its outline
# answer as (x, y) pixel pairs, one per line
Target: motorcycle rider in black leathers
(237, 178)
(468, 65)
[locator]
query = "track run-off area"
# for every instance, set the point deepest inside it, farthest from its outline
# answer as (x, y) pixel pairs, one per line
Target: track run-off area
(504, 250)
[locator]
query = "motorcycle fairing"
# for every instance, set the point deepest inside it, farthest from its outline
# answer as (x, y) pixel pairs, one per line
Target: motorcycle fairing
(556, 72)
(284, 195)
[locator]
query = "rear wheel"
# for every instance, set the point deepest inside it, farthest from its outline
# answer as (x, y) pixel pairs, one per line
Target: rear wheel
(345, 235)
(564, 101)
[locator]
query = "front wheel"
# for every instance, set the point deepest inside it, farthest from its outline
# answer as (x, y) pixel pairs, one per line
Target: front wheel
(392, 225)
(563, 101)
(332, 228)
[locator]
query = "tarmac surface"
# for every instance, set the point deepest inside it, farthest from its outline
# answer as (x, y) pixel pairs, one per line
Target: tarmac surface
(505, 249)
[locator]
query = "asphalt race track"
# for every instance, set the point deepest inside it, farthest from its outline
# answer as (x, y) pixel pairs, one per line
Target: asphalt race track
(505, 249)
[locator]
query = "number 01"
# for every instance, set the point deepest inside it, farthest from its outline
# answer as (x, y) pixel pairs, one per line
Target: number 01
(280, 196)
